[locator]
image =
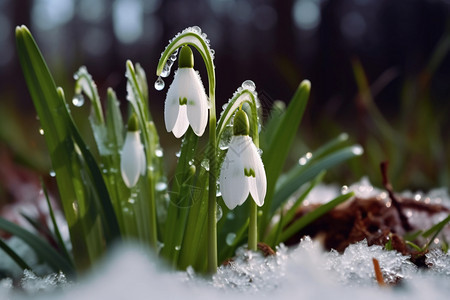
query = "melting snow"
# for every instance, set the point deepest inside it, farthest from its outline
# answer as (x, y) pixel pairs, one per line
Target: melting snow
(305, 272)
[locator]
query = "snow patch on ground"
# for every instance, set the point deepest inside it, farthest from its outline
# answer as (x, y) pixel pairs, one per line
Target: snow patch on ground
(305, 272)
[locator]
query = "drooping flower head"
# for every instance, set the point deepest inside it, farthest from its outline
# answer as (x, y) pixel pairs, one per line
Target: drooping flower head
(242, 171)
(186, 102)
(132, 160)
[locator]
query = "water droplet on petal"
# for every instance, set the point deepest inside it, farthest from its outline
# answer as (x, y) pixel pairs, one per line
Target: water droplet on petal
(230, 238)
(159, 84)
(249, 85)
(219, 213)
(78, 100)
(52, 173)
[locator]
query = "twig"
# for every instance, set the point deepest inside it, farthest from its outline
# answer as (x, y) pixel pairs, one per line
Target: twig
(378, 274)
(387, 185)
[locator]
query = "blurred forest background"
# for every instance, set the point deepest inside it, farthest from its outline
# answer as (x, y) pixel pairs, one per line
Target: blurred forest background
(380, 71)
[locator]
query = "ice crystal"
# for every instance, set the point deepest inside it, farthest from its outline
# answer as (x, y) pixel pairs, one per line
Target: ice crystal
(251, 272)
(354, 267)
(438, 261)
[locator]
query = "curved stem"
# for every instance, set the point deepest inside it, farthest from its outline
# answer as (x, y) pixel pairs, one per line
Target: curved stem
(192, 36)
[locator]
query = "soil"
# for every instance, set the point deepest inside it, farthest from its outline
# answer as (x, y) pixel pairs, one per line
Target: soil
(371, 219)
(374, 219)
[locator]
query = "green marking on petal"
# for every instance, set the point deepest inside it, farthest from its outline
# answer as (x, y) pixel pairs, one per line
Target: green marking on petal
(249, 173)
(183, 101)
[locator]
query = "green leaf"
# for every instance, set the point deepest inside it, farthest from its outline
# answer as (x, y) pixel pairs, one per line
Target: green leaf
(275, 155)
(301, 174)
(42, 249)
(180, 198)
(79, 180)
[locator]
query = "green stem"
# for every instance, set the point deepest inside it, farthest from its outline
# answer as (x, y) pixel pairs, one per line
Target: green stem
(152, 212)
(253, 227)
(195, 39)
(212, 206)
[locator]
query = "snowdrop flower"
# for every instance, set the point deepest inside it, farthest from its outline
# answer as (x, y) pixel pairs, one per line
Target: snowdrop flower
(186, 102)
(242, 170)
(132, 161)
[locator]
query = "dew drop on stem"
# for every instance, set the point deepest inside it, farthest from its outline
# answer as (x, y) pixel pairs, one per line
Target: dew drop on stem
(219, 213)
(41, 131)
(249, 85)
(78, 100)
(159, 84)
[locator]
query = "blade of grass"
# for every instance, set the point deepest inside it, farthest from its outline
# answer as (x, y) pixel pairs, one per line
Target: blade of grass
(435, 230)
(57, 233)
(14, 256)
(42, 249)
(272, 237)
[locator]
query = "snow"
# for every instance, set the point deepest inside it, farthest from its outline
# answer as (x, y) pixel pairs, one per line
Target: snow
(305, 271)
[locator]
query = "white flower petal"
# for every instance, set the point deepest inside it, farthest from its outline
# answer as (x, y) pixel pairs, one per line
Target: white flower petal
(182, 122)
(131, 159)
(143, 161)
(172, 104)
(233, 183)
(252, 160)
(186, 85)
(197, 104)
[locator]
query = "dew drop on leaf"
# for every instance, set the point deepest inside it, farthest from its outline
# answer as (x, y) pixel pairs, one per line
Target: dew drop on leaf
(159, 84)
(230, 238)
(219, 213)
